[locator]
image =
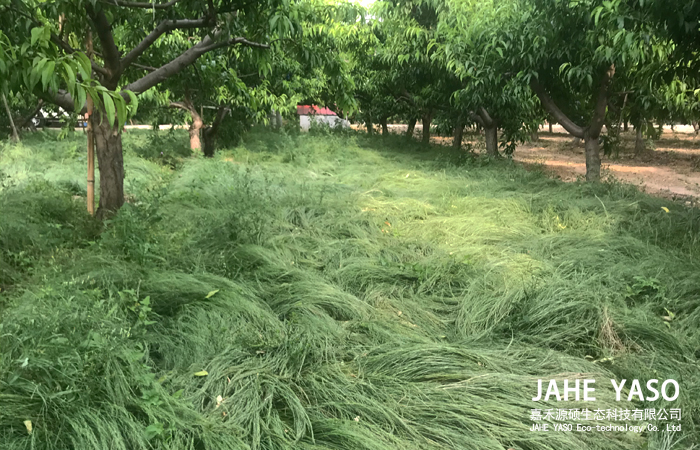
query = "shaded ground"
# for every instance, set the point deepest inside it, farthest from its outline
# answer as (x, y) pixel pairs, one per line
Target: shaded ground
(670, 168)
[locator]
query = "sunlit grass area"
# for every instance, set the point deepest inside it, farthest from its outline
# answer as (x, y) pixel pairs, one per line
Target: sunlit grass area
(331, 291)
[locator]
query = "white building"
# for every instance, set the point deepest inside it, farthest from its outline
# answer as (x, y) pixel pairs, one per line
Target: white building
(308, 114)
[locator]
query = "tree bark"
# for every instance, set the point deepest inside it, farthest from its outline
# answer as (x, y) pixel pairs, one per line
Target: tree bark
(411, 127)
(490, 126)
(457, 136)
(209, 133)
(491, 137)
(209, 137)
(370, 126)
(385, 126)
(639, 145)
(625, 126)
(197, 124)
(108, 142)
(592, 145)
(550, 127)
(15, 134)
(278, 119)
(591, 133)
(427, 119)
(196, 130)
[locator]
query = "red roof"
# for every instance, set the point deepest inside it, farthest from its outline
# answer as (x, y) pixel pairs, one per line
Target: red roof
(305, 110)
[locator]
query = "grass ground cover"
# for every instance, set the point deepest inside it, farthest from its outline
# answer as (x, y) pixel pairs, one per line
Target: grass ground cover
(331, 291)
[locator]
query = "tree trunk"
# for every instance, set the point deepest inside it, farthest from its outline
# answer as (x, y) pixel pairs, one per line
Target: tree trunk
(411, 127)
(385, 126)
(591, 133)
(592, 145)
(15, 135)
(534, 136)
(550, 127)
(491, 136)
(209, 138)
(278, 119)
(457, 137)
(625, 126)
(639, 145)
(370, 126)
(427, 119)
(196, 130)
(209, 133)
(110, 160)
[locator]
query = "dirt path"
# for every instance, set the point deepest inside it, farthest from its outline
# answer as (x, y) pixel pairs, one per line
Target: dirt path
(671, 169)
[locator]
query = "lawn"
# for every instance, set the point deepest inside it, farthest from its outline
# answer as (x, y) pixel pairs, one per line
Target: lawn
(332, 291)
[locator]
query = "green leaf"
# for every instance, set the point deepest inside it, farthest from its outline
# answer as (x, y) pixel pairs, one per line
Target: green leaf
(80, 98)
(84, 65)
(70, 74)
(596, 13)
(133, 101)
(121, 119)
(36, 34)
(47, 73)
(109, 107)
(153, 430)
(202, 373)
(211, 294)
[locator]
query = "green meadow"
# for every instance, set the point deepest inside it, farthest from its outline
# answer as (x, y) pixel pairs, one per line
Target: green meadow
(332, 291)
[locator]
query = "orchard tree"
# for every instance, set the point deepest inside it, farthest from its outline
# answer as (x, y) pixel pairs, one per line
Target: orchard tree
(472, 43)
(125, 33)
(229, 85)
(577, 57)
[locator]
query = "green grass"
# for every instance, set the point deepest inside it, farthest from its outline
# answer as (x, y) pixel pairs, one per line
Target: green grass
(340, 291)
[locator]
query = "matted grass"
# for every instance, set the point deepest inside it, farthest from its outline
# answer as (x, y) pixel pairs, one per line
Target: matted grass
(331, 292)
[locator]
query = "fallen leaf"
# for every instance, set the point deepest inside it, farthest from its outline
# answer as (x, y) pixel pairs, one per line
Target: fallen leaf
(665, 209)
(28, 424)
(202, 373)
(211, 294)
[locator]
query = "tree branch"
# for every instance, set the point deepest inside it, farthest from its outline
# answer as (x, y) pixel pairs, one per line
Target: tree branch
(221, 113)
(109, 48)
(478, 119)
(139, 4)
(236, 41)
(62, 98)
(185, 59)
(149, 68)
(162, 28)
(29, 117)
(601, 104)
(487, 120)
(554, 110)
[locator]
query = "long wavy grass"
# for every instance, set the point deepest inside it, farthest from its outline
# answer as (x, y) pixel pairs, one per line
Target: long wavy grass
(331, 292)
